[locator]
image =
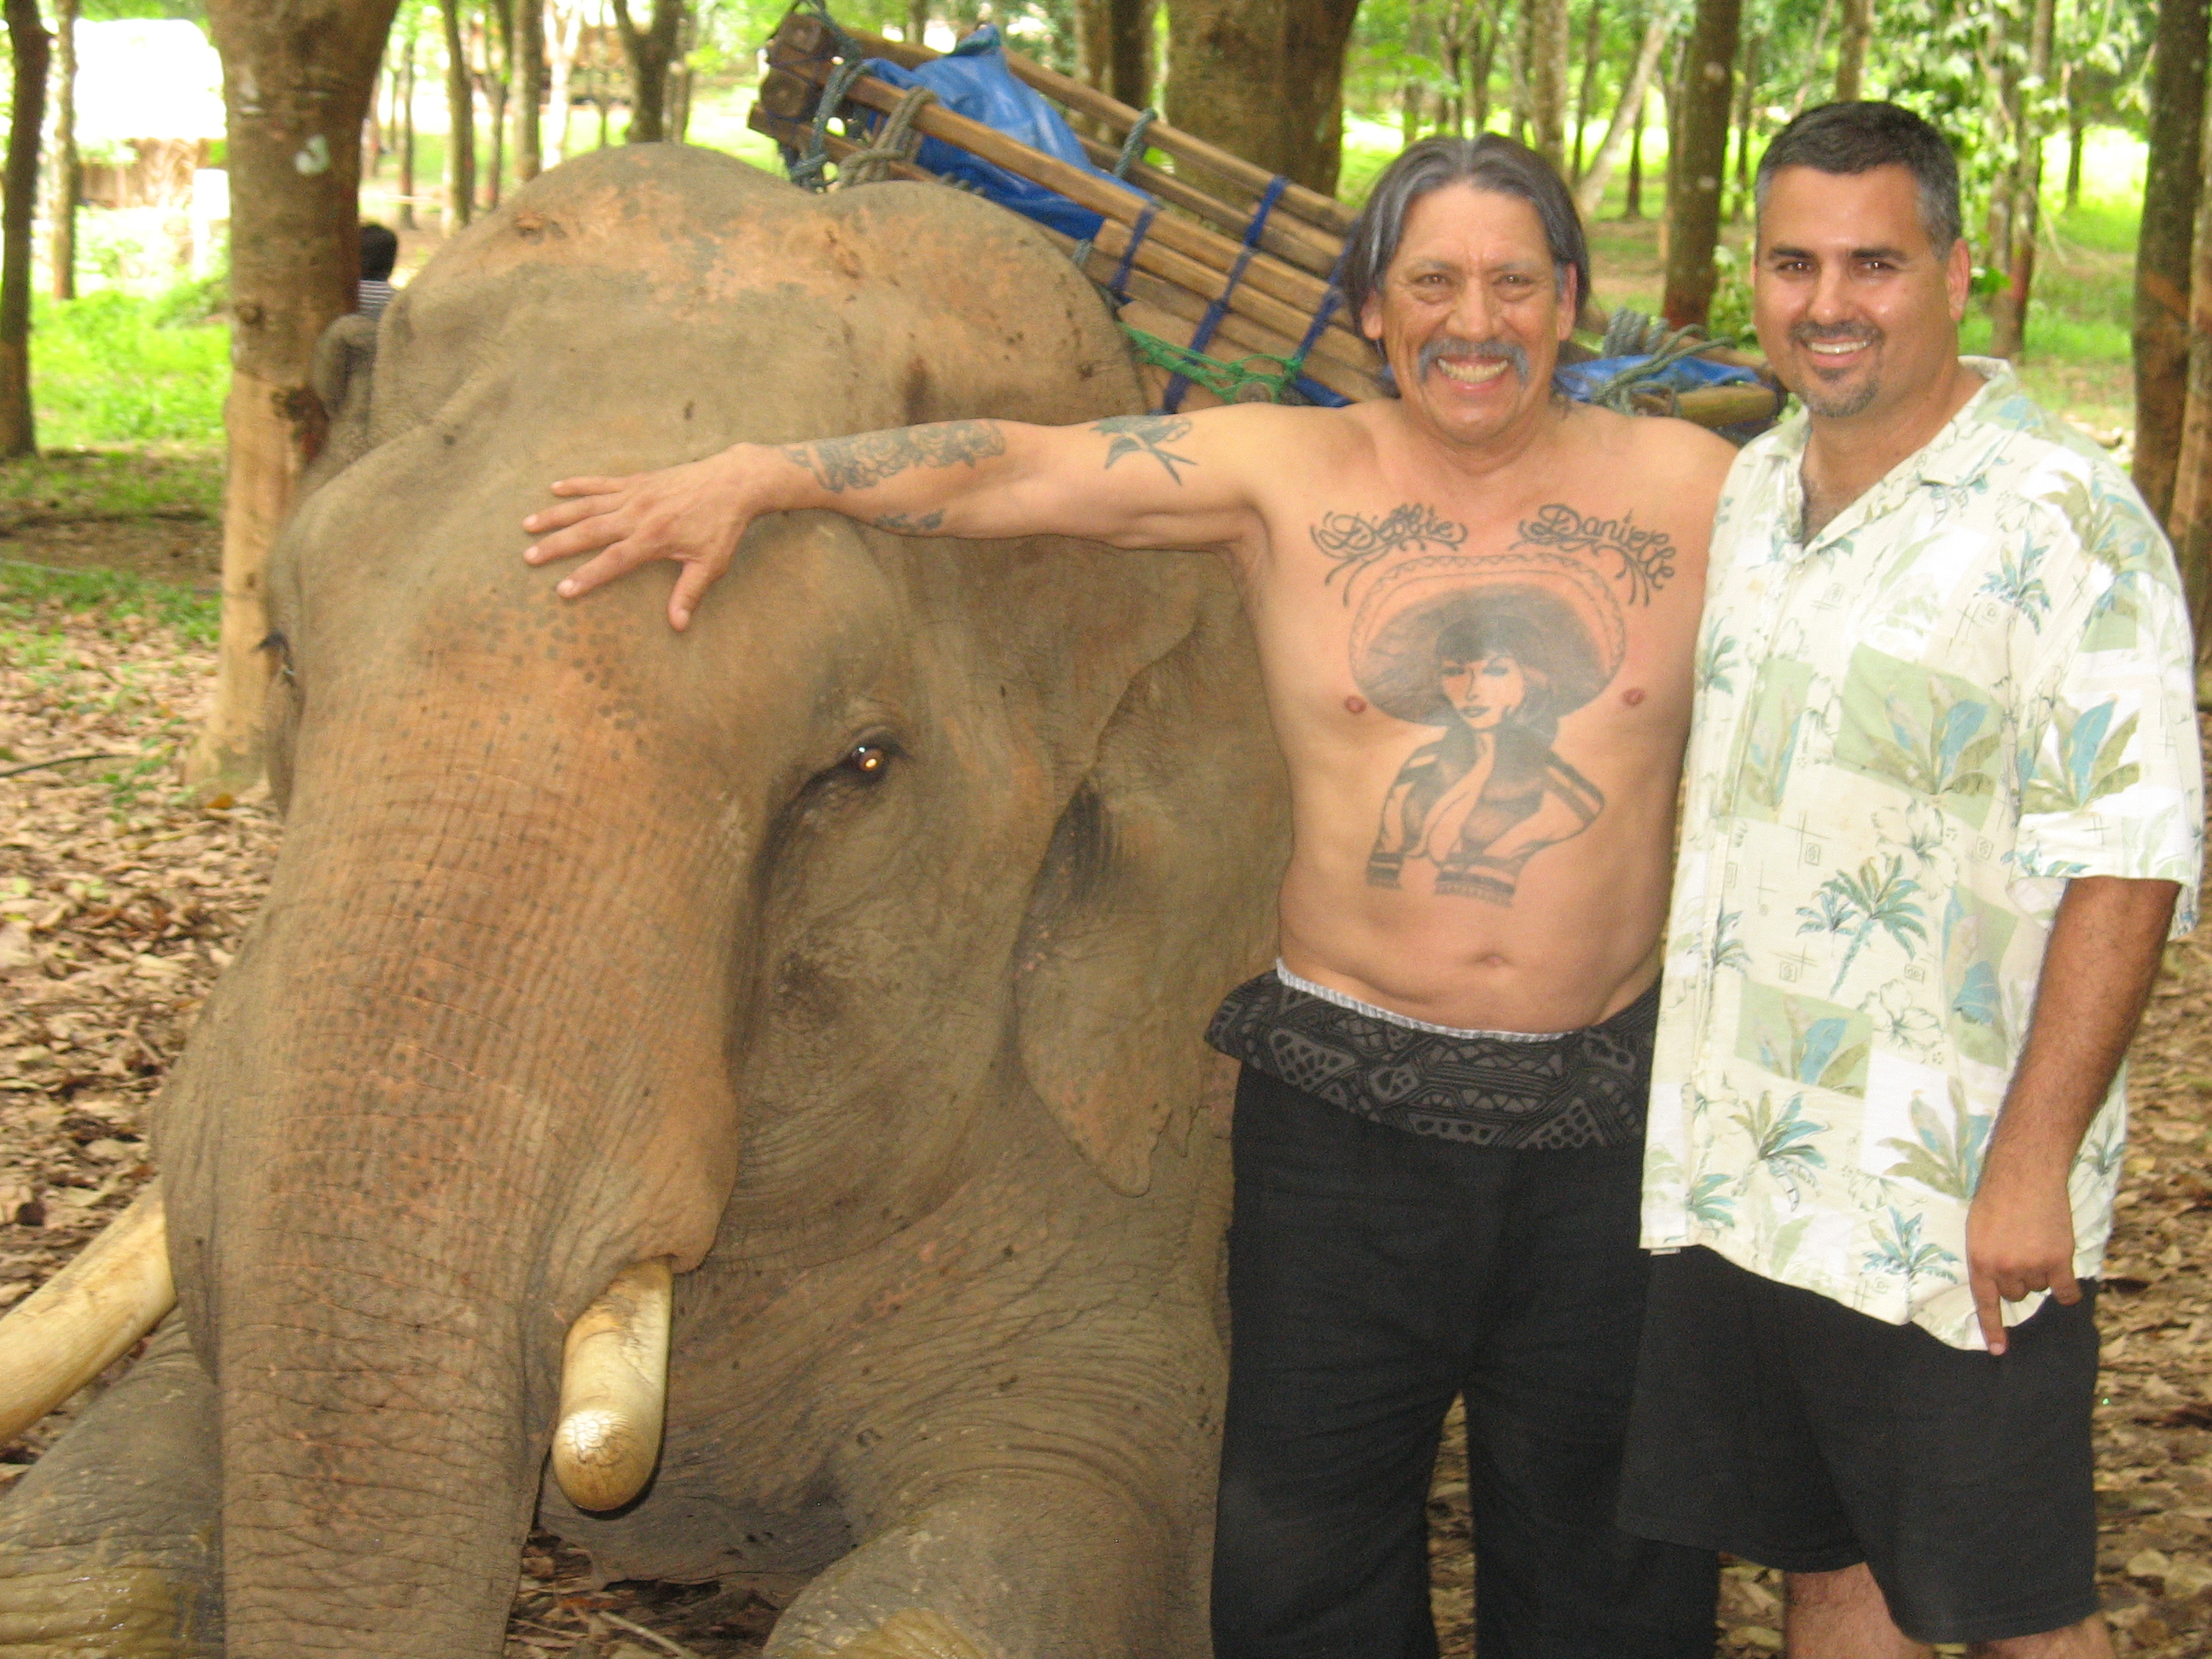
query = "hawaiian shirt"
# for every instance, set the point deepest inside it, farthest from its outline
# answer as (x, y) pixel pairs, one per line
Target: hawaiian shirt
(1975, 682)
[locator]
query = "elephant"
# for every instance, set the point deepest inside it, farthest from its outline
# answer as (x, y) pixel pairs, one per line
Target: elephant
(845, 957)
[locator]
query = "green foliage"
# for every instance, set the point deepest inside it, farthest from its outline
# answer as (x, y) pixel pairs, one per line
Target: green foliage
(110, 484)
(112, 368)
(27, 590)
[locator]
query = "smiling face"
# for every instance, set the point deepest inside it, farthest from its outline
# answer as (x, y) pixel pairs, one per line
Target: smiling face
(1858, 314)
(1471, 314)
(1485, 689)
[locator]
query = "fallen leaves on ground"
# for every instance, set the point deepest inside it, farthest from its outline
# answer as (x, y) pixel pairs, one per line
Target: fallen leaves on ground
(120, 902)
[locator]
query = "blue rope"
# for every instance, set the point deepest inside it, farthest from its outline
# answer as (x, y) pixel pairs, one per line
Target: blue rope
(1119, 287)
(1329, 301)
(1173, 398)
(806, 171)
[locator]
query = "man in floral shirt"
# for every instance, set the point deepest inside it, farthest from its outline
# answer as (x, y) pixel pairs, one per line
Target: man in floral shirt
(1943, 791)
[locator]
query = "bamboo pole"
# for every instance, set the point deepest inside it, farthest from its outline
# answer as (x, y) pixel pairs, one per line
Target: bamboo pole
(1156, 254)
(806, 36)
(1262, 272)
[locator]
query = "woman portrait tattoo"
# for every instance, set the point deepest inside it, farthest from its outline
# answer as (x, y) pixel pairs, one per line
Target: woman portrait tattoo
(1489, 652)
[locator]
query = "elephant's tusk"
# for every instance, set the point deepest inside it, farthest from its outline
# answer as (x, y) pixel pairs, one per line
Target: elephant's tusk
(614, 1390)
(86, 1316)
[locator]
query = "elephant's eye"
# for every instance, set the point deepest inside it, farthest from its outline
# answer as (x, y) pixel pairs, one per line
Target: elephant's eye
(868, 760)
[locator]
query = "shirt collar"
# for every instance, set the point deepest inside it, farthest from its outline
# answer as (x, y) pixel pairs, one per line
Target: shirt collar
(1952, 457)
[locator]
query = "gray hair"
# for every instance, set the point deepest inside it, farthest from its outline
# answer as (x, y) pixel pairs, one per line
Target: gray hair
(1858, 137)
(1492, 162)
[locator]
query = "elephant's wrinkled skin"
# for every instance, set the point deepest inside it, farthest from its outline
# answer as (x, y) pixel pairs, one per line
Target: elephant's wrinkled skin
(589, 943)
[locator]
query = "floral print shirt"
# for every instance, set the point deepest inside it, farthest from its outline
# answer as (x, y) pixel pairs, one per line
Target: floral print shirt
(1976, 681)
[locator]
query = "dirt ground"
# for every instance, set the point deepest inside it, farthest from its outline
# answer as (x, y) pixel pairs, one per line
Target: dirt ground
(119, 904)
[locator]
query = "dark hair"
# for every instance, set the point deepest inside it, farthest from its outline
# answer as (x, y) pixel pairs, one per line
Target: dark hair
(1858, 137)
(1480, 638)
(379, 252)
(1492, 162)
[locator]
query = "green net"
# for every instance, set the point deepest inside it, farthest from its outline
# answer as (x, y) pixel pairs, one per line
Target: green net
(1231, 381)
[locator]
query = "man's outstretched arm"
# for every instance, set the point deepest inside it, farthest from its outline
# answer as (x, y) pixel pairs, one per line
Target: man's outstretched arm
(1133, 481)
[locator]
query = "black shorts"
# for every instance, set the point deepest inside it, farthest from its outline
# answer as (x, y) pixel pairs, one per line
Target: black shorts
(1789, 1430)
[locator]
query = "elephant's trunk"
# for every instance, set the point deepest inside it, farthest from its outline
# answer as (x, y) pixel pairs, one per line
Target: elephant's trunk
(458, 1080)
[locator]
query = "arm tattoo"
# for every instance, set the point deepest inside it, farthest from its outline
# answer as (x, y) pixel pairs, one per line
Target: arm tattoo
(869, 457)
(905, 524)
(1145, 435)
(1356, 541)
(1646, 557)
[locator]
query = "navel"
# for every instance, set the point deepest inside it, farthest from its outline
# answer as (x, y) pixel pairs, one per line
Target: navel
(1355, 705)
(1633, 696)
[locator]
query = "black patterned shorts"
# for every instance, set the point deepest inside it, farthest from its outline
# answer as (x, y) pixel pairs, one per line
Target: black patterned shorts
(1586, 1088)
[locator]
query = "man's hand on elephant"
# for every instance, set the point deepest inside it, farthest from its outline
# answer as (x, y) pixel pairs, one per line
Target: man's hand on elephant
(694, 514)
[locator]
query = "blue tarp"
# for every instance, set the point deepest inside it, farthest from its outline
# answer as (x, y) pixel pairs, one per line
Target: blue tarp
(973, 80)
(1582, 382)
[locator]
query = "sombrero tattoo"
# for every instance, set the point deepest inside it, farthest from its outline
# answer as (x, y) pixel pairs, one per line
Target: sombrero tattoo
(1575, 635)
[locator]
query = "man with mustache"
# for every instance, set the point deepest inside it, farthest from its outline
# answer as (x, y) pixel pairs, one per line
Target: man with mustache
(1943, 793)
(1440, 1115)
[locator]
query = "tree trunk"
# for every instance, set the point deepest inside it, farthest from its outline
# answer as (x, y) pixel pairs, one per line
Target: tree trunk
(68, 184)
(1632, 208)
(2076, 132)
(461, 123)
(2171, 187)
(296, 82)
(1129, 51)
(406, 113)
(495, 76)
(651, 51)
(2190, 521)
(560, 69)
(1693, 196)
(1593, 35)
(1551, 51)
(1746, 106)
(1807, 80)
(2008, 339)
(530, 41)
(1626, 130)
(1263, 79)
(917, 22)
(31, 45)
(1483, 59)
(2004, 73)
(1413, 91)
(1851, 50)
(1524, 35)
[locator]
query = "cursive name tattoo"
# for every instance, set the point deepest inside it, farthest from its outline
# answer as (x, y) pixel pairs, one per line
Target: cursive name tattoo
(1646, 557)
(1355, 541)
(869, 457)
(905, 524)
(1145, 435)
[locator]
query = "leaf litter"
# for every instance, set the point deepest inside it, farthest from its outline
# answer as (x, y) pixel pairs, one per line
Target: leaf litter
(121, 899)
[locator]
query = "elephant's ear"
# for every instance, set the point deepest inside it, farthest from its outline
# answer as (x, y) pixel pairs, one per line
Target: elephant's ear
(1157, 895)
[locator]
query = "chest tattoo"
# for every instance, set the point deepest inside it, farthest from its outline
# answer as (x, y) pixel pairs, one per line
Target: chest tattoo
(1488, 652)
(1355, 541)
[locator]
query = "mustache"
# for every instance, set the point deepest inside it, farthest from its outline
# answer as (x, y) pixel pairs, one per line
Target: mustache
(1503, 351)
(1833, 333)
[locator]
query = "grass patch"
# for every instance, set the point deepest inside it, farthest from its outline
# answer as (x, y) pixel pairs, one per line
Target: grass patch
(113, 367)
(81, 484)
(27, 591)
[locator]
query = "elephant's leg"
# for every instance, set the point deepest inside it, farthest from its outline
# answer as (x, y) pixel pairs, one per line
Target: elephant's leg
(108, 1546)
(1002, 1565)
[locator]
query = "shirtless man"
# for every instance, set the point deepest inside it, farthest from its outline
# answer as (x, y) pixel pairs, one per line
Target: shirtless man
(1475, 606)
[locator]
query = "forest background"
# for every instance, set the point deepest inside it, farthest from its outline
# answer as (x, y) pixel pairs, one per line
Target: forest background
(2078, 124)
(156, 409)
